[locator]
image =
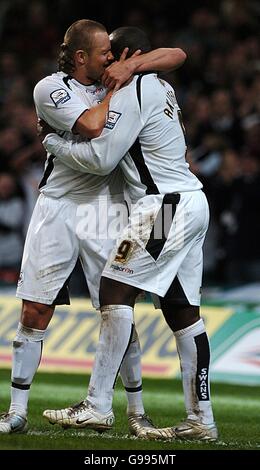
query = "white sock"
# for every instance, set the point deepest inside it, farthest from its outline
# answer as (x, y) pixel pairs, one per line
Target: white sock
(27, 349)
(131, 375)
(115, 335)
(194, 353)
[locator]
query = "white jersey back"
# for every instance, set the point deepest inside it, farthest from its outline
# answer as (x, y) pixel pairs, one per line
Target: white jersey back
(60, 100)
(157, 158)
(144, 133)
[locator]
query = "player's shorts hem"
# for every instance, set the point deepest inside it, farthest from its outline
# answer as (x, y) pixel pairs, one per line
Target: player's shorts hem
(194, 303)
(146, 288)
(40, 300)
(131, 282)
(157, 304)
(181, 301)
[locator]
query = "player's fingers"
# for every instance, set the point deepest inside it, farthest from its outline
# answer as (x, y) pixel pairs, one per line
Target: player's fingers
(124, 54)
(106, 72)
(107, 81)
(109, 67)
(39, 126)
(39, 129)
(136, 53)
(117, 87)
(110, 84)
(104, 82)
(104, 79)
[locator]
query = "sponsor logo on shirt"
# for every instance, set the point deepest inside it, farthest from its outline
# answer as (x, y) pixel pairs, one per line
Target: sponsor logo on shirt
(59, 96)
(112, 119)
(122, 269)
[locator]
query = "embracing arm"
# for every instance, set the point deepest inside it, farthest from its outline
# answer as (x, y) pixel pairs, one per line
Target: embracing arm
(63, 110)
(90, 124)
(101, 155)
(162, 60)
(87, 157)
(78, 156)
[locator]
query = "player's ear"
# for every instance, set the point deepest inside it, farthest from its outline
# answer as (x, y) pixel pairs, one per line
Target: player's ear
(81, 57)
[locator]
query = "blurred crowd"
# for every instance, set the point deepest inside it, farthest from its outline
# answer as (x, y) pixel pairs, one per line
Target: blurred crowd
(218, 90)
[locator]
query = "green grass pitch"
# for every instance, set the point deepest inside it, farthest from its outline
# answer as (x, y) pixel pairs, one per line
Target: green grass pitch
(236, 408)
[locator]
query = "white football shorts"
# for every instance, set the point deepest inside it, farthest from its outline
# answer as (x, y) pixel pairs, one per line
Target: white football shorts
(60, 231)
(160, 250)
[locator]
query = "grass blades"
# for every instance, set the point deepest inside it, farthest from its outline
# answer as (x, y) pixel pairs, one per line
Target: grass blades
(236, 408)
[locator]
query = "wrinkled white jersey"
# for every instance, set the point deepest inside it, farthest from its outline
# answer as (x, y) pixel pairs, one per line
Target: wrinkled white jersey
(144, 133)
(60, 100)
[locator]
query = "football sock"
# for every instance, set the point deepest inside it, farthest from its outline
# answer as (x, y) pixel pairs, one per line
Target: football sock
(131, 375)
(115, 334)
(194, 353)
(27, 349)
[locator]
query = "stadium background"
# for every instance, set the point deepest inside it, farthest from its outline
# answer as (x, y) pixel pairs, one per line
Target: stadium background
(218, 91)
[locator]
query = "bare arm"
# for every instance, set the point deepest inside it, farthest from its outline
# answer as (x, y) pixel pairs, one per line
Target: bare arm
(162, 59)
(90, 124)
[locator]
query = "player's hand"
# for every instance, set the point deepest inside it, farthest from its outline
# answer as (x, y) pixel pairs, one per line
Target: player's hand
(43, 129)
(120, 71)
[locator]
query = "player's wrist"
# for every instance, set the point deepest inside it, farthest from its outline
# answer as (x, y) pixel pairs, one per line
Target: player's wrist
(132, 65)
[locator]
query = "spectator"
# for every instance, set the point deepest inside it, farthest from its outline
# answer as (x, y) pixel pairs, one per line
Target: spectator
(11, 224)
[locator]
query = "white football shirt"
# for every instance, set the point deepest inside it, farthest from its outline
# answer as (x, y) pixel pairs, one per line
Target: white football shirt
(144, 133)
(60, 100)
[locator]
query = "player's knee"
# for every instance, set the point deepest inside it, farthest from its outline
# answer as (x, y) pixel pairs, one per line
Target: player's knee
(116, 293)
(35, 315)
(179, 317)
(186, 316)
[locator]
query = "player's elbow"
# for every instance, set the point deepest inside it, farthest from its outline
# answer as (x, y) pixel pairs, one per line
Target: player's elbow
(94, 132)
(103, 167)
(105, 170)
(88, 128)
(180, 55)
